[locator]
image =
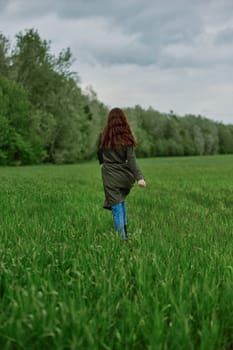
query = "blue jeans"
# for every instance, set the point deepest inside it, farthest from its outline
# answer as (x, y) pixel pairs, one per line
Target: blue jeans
(120, 218)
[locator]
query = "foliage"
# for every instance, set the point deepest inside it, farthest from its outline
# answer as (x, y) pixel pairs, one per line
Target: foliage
(46, 117)
(4, 56)
(19, 144)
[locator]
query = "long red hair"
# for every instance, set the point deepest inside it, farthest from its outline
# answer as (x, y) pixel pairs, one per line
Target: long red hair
(117, 131)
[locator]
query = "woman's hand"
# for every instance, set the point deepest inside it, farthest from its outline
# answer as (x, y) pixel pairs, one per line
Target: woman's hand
(142, 183)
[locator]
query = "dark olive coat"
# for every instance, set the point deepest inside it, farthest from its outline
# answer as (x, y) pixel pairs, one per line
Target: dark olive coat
(119, 172)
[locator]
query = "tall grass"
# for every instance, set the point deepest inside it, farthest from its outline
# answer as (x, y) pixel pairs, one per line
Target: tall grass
(67, 281)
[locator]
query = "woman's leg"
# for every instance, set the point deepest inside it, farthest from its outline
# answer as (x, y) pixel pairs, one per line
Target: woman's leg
(125, 217)
(118, 218)
(124, 212)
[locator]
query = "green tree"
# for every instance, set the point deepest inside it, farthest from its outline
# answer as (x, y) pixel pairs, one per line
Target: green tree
(4, 56)
(225, 133)
(18, 142)
(45, 116)
(53, 92)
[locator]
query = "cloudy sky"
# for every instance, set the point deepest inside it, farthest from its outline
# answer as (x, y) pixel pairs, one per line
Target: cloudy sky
(169, 54)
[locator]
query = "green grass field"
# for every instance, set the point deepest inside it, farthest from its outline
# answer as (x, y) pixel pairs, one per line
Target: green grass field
(67, 281)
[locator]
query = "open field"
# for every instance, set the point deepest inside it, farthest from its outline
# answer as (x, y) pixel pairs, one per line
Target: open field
(67, 281)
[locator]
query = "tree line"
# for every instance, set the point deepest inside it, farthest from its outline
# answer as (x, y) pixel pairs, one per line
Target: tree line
(46, 117)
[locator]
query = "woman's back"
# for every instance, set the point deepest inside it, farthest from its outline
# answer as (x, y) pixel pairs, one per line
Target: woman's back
(118, 155)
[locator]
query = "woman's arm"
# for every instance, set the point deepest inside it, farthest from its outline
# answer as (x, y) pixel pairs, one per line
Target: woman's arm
(100, 151)
(132, 163)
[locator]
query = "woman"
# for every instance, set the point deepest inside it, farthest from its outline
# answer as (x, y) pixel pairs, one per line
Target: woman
(119, 169)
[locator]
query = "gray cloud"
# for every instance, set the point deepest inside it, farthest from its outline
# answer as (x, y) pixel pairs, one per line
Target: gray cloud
(136, 32)
(225, 37)
(3, 5)
(165, 46)
(158, 25)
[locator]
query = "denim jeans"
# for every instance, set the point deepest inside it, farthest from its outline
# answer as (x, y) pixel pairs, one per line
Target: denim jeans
(120, 218)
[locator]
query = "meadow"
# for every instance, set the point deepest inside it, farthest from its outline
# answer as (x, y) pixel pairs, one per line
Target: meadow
(67, 280)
